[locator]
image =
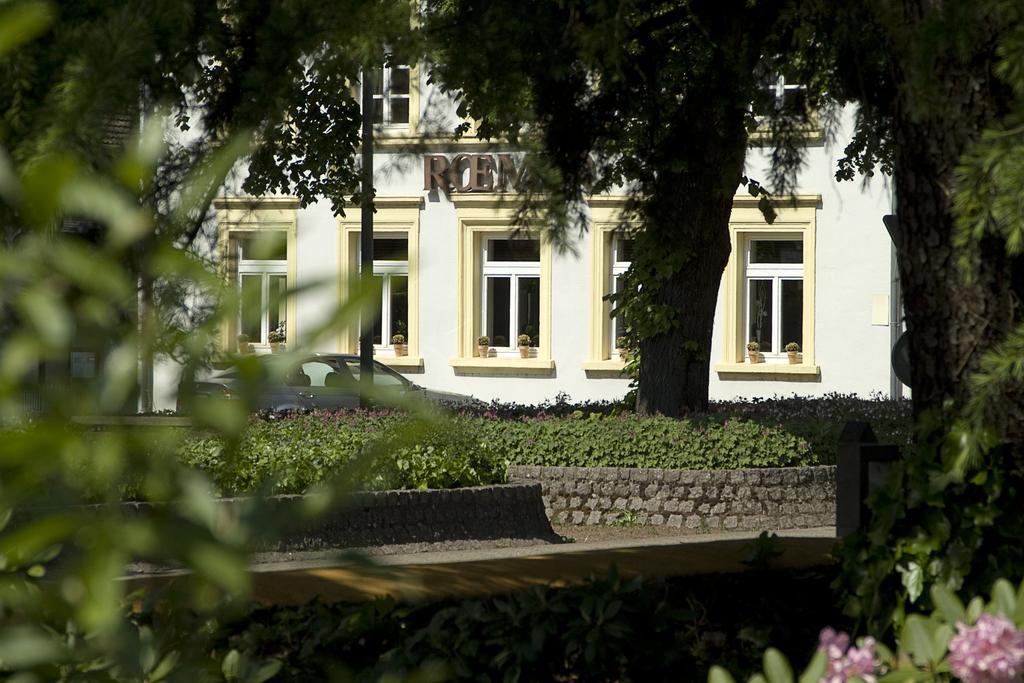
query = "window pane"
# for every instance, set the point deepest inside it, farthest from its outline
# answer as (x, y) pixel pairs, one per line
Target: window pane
(270, 245)
(513, 250)
(399, 305)
(793, 312)
(277, 306)
(624, 249)
(619, 323)
(399, 80)
(378, 307)
(377, 81)
(777, 251)
(252, 305)
(399, 110)
(529, 307)
(317, 372)
(382, 376)
(390, 249)
(496, 326)
(760, 311)
(378, 110)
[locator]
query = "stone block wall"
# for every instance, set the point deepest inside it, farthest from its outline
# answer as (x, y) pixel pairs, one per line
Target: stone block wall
(752, 499)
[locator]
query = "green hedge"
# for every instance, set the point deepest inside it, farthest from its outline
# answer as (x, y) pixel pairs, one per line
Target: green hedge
(379, 450)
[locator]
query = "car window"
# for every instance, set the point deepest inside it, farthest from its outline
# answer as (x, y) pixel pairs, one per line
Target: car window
(382, 376)
(317, 371)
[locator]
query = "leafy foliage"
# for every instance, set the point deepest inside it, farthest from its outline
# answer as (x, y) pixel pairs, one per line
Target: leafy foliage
(979, 641)
(291, 454)
(932, 525)
(607, 629)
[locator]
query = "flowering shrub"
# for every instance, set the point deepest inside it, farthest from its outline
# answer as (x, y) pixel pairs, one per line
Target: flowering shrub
(987, 647)
(991, 651)
(845, 662)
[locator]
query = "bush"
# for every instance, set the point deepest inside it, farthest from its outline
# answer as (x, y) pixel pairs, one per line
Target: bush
(296, 452)
(607, 629)
(382, 450)
(817, 420)
(631, 441)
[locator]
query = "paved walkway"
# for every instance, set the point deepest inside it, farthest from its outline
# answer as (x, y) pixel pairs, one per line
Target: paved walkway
(429, 576)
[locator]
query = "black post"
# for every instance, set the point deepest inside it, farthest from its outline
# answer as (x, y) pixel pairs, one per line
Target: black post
(366, 242)
(862, 466)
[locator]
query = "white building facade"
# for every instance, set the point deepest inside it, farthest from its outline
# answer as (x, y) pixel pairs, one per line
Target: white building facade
(451, 270)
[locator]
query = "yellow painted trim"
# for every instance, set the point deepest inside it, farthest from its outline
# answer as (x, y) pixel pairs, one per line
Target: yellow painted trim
(253, 214)
(476, 215)
(502, 366)
(758, 370)
(403, 362)
(605, 217)
(394, 215)
(796, 216)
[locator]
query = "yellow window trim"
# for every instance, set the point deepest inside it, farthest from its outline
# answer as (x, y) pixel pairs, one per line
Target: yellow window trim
(396, 215)
(606, 214)
(796, 216)
(254, 214)
(479, 215)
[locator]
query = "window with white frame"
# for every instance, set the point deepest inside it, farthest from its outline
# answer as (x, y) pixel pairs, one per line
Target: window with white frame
(262, 272)
(621, 258)
(510, 292)
(780, 95)
(391, 273)
(774, 294)
(391, 95)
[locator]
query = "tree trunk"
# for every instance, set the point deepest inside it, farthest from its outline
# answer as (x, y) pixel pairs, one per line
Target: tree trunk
(952, 320)
(692, 237)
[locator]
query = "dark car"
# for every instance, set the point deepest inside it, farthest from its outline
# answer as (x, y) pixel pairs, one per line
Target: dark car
(320, 381)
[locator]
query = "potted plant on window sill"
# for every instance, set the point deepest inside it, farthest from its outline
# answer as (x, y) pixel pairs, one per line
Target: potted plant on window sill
(754, 352)
(398, 341)
(483, 346)
(524, 345)
(277, 338)
(621, 347)
(793, 351)
(244, 345)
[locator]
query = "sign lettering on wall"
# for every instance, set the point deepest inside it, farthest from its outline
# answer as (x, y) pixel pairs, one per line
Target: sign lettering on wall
(472, 173)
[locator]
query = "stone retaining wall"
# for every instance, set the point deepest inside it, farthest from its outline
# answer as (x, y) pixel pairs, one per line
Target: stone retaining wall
(776, 498)
(513, 512)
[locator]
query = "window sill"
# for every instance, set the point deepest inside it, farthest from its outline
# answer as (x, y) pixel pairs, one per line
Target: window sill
(400, 361)
(768, 371)
(503, 366)
(604, 368)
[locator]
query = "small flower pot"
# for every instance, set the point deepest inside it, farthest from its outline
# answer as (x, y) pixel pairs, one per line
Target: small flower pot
(623, 355)
(794, 357)
(276, 347)
(401, 350)
(755, 356)
(483, 351)
(524, 351)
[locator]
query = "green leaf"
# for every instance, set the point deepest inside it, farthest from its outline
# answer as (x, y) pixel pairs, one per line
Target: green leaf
(776, 667)
(974, 609)
(948, 604)
(266, 672)
(719, 675)
(23, 22)
(916, 638)
(229, 667)
(815, 669)
(23, 647)
(912, 578)
(1004, 598)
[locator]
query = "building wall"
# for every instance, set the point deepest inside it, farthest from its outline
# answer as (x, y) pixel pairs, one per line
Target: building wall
(852, 258)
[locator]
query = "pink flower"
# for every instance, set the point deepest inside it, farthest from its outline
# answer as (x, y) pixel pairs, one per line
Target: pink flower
(845, 662)
(991, 651)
